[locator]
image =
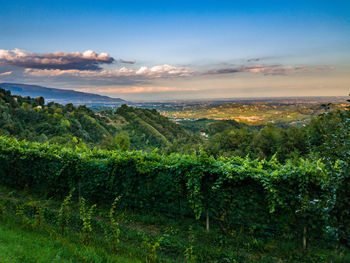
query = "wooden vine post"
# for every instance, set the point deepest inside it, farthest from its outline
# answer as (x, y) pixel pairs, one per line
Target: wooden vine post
(79, 191)
(207, 220)
(305, 238)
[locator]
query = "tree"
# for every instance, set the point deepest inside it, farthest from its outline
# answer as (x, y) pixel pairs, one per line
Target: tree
(267, 141)
(120, 142)
(40, 101)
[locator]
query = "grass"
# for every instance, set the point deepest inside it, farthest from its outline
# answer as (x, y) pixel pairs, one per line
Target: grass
(21, 243)
(18, 244)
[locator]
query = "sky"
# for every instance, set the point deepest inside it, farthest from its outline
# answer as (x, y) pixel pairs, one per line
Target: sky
(164, 50)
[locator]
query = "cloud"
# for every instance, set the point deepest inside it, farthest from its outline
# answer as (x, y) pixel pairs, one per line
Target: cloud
(127, 61)
(266, 69)
(88, 60)
(6, 73)
(222, 71)
(253, 59)
(163, 71)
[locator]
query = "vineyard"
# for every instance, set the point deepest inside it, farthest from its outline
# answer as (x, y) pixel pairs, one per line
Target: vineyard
(301, 199)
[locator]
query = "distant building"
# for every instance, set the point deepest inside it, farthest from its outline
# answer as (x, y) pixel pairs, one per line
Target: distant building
(204, 134)
(100, 115)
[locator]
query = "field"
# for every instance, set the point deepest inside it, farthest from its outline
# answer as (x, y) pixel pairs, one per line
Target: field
(257, 113)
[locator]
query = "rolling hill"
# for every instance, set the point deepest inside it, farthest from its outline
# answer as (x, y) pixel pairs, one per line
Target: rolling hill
(59, 95)
(31, 119)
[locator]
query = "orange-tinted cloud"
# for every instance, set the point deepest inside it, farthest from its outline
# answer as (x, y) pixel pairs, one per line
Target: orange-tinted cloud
(267, 69)
(6, 73)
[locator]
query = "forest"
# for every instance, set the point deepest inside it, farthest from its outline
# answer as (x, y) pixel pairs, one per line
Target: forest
(150, 190)
(28, 118)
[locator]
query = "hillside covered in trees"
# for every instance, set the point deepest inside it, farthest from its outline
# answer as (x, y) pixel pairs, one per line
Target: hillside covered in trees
(62, 96)
(145, 129)
(32, 119)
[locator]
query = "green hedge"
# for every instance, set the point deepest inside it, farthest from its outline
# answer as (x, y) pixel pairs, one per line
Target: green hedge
(259, 194)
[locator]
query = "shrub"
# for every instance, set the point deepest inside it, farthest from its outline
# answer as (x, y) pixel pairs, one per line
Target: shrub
(86, 216)
(112, 233)
(63, 214)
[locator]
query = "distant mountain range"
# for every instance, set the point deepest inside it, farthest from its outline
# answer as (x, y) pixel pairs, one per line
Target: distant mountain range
(61, 96)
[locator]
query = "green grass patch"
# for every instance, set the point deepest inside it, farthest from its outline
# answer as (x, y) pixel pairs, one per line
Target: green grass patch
(18, 244)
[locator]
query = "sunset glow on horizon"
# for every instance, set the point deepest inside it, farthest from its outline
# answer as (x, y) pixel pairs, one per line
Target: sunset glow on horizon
(183, 50)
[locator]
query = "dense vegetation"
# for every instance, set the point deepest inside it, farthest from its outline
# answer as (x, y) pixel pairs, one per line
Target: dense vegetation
(248, 187)
(264, 196)
(230, 138)
(31, 119)
(143, 129)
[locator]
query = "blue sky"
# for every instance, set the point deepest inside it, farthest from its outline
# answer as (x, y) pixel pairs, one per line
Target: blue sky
(257, 48)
